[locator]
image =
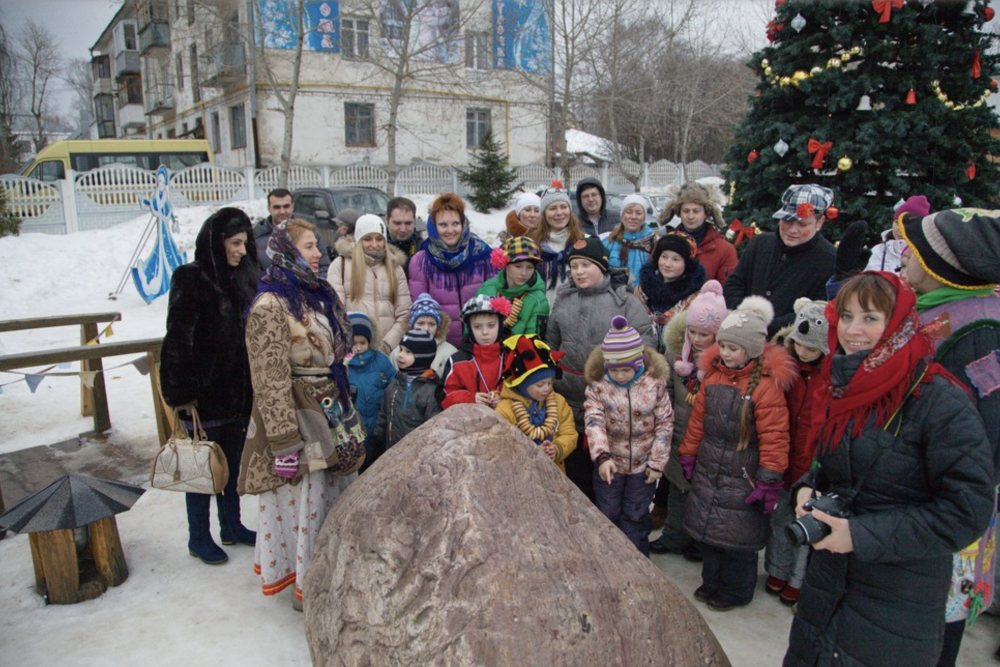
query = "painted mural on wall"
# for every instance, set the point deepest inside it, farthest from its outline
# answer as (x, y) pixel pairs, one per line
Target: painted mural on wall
(434, 29)
(321, 20)
(521, 36)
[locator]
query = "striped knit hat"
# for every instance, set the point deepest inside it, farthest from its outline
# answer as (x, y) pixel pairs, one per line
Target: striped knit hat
(622, 346)
(422, 346)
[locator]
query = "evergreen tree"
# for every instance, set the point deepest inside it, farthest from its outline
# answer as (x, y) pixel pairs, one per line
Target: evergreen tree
(9, 225)
(898, 92)
(492, 182)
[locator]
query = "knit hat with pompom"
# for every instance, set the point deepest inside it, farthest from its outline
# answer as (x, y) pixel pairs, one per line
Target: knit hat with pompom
(622, 346)
(706, 312)
(747, 325)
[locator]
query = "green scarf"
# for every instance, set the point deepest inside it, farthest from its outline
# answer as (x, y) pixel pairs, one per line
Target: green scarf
(948, 294)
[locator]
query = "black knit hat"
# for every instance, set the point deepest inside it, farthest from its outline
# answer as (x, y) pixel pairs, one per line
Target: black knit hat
(422, 346)
(678, 242)
(960, 248)
(591, 249)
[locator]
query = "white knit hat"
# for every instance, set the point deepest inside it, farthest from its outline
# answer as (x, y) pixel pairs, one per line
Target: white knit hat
(369, 224)
(635, 199)
(527, 199)
(747, 325)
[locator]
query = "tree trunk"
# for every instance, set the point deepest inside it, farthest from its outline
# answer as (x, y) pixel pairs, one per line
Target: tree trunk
(289, 104)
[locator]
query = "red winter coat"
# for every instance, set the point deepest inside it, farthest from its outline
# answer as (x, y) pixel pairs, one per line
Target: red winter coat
(800, 408)
(717, 255)
(472, 373)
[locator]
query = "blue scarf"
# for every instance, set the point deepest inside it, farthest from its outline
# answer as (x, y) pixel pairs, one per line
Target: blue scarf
(470, 249)
(638, 374)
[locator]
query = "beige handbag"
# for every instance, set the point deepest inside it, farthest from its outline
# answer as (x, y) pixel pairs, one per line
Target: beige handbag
(189, 464)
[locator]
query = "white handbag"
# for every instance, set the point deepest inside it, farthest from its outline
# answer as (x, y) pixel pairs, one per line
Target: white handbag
(189, 464)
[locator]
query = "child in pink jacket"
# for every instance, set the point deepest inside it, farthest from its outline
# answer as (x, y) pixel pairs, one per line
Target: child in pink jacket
(629, 422)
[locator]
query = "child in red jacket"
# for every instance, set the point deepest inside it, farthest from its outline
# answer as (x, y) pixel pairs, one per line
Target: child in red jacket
(785, 563)
(475, 372)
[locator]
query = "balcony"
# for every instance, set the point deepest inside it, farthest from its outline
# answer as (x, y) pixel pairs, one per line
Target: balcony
(126, 62)
(105, 129)
(225, 65)
(159, 99)
(132, 117)
(103, 87)
(154, 38)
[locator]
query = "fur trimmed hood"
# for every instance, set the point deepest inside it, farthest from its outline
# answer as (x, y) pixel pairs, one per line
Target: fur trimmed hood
(779, 365)
(655, 363)
(442, 332)
(708, 196)
(345, 248)
(673, 335)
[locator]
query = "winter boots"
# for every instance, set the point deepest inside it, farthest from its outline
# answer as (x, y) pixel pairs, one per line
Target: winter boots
(200, 543)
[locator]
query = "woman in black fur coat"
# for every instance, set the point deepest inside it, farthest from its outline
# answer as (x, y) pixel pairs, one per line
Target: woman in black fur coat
(204, 362)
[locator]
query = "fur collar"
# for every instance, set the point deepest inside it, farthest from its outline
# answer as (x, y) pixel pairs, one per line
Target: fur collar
(656, 365)
(673, 335)
(780, 367)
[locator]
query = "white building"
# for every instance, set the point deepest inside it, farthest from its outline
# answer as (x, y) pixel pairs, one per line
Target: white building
(186, 68)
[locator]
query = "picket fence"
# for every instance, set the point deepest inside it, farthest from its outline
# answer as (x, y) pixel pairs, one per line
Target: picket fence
(114, 193)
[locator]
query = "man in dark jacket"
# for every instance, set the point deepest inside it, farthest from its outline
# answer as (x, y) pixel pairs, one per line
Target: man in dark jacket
(400, 219)
(592, 208)
(796, 261)
(952, 262)
(280, 207)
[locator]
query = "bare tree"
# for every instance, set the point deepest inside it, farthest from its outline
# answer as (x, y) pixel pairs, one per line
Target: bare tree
(9, 153)
(79, 76)
(39, 61)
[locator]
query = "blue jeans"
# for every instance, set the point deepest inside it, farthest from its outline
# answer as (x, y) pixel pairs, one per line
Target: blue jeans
(626, 503)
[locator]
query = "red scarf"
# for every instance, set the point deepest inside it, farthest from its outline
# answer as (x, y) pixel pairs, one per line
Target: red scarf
(882, 381)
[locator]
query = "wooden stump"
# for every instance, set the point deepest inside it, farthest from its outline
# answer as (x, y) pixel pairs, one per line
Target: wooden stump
(108, 555)
(58, 573)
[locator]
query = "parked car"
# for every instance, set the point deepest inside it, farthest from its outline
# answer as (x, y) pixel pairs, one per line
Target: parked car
(321, 205)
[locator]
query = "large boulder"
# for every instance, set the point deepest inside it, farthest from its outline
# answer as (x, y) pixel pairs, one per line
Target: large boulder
(465, 545)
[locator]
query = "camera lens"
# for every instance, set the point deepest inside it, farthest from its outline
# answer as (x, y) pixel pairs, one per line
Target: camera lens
(807, 530)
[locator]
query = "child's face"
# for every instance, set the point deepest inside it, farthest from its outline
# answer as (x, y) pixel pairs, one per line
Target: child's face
(701, 339)
(671, 265)
(404, 358)
(519, 273)
(622, 374)
(807, 354)
(585, 273)
(360, 344)
(428, 324)
(539, 391)
(733, 356)
(485, 327)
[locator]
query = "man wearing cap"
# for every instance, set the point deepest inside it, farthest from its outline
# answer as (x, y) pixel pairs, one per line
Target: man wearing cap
(592, 208)
(952, 261)
(794, 262)
(280, 209)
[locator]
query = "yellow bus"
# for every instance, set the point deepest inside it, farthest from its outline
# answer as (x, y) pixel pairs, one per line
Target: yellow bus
(81, 155)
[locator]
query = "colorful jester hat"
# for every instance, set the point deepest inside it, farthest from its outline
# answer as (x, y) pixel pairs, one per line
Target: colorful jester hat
(528, 357)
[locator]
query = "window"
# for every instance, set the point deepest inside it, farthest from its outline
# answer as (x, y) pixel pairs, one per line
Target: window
(477, 124)
(190, 11)
(129, 90)
(354, 39)
(237, 127)
(130, 43)
(477, 50)
(216, 133)
(195, 83)
(359, 124)
(184, 129)
(104, 108)
(171, 133)
(179, 59)
(51, 170)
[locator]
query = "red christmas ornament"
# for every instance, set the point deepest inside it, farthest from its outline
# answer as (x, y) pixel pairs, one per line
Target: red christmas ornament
(993, 83)
(989, 13)
(820, 149)
(758, 93)
(752, 156)
(832, 213)
(975, 65)
(971, 170)
(911, 97)
(884, 8)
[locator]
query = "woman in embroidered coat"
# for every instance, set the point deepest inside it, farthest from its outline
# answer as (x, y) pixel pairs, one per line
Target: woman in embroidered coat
(297, 334)
(453, 262)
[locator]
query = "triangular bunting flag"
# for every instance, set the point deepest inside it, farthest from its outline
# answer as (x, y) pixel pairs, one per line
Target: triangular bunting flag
(33, 381)
(88, 378)
(108, 331)
(65, 365)
(142, 365)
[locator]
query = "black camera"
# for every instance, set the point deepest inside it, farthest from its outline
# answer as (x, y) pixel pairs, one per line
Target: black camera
(809, 529)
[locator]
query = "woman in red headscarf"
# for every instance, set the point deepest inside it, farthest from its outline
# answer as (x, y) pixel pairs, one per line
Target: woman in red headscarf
(901, 444)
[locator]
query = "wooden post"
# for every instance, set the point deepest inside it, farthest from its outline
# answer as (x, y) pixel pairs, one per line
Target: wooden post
(164, 424)
(107, 548)
(88, 332)
(61, 576)
(36, 561)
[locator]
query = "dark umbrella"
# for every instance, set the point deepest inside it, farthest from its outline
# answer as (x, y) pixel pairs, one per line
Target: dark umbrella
(70, 502)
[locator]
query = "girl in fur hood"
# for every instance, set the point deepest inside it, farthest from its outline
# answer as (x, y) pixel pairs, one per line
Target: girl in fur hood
(736, 451)
(368, 277)
(629, 421)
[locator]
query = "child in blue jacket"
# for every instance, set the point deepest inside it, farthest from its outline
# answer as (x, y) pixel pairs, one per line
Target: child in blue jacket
(369, 372)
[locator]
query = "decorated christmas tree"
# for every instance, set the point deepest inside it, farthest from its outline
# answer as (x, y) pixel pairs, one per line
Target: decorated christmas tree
(879, 101)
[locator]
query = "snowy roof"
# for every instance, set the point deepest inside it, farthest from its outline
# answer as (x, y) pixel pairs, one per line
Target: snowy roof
(590, 145)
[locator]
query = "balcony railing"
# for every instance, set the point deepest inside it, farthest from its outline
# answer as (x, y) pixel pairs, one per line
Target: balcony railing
(126, 62)
(103, 87)
(224, 65)
(159, 98)
(154, 37)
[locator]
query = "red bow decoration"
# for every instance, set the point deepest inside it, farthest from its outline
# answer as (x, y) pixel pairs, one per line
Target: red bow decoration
(884, 7)
(971, 170)
(744, 232)
(773, 27)
(820, 150)
(975, 65)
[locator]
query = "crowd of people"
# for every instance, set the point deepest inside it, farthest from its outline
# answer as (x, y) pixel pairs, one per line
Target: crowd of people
(839, 411)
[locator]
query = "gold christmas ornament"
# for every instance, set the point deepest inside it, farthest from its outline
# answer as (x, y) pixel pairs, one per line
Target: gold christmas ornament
(833, 63)
(844, 57)
(799, 76)
(784, 81)
(855, 50)
(845, 163)
(815, 70)
(955, 106)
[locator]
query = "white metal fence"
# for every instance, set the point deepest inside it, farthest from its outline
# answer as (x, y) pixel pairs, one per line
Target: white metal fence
(114, 193)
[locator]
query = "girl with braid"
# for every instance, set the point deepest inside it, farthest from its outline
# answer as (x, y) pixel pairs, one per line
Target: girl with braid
(528, 401)
(736, 451)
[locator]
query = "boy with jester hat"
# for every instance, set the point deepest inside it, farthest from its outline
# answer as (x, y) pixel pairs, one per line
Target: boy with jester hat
(475, 371)
(519, 282)
(528, 401)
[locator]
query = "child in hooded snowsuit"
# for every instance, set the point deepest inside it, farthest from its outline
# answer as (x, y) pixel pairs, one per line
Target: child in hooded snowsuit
(474, 374)
(629, 421)
(806, 339)
(414, 395)
(738, 437)
(528, 401)
(369, 372)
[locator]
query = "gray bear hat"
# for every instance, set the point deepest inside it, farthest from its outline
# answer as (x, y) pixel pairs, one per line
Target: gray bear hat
(811, 327)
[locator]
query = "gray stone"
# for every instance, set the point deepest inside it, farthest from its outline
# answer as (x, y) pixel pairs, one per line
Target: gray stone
(465, 545)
